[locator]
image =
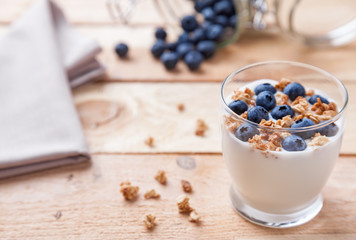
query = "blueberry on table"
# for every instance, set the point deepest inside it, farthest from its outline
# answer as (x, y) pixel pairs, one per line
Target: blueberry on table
(313, 99)
(184, 38)
(264, 87)
(208, 14)
(170, 60)
(199, 5)
(189, 23)
(198, 35)
(121, 50)
(172, 46)
(214, 32)
(256, 114)
(304, 122)
(294, 90)
(193, 59)
(329, 130)
(266, 99)
(160, 34)
(238, 106)
(279, 112)
(184, 48)
(207, 48)
(224, 8)
(222, 20)
(158, 48)
(246, 131)
(294, 143)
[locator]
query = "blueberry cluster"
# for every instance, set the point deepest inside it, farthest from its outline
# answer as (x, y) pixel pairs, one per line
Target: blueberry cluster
(198, 40)
(266, 107)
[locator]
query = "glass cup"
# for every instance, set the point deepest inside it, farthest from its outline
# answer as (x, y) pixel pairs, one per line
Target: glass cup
(280, 188)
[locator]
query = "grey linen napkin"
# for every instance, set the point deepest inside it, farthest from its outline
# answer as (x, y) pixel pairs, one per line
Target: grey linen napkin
(41, 57)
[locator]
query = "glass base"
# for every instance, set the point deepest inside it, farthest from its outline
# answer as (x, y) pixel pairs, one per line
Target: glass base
(275, 220)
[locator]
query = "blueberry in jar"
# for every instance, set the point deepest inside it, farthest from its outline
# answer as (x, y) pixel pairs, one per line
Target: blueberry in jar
(328, 130)
(265, 87)
(207, 48)
(294, 143)
(238, 106)
(245, 132)
(222, 20)
(266, 99)
(224, 8)
(233, 21)
(189, 23)
(193, 59)
(121, 50)
(169, 60)
(256, 114)
(158, 48)
(313, 99)
(214, 32)
(280, 111)
(304, 122)
(294, 90)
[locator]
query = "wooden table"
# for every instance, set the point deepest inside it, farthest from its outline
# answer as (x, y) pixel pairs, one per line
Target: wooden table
(138, 99)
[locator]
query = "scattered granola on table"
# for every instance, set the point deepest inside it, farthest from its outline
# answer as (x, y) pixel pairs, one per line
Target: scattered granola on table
(161, 177)
(200, 128)
(150, 141)
(181, 107)
(186, 186)
(194, 216)
(128, 191)
(150, 221)
(183, 204)
(151, 194)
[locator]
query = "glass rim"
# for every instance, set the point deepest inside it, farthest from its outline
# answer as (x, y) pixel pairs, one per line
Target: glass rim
(292, 63)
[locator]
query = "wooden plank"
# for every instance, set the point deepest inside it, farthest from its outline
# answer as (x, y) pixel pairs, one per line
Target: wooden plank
(92, 206)
(118, 117)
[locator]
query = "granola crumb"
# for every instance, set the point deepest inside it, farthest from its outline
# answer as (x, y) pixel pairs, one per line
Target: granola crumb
(161, 177)
(151, 194)
(150, 221)
(128, 191)
(181, 107)
(298, 117)
(244, 115)
(282, 84)
(201, 128)
(231, 123)
(183, 204)
(245, 95)
(281, 98)
(300, 105)
(187, 187)
(309, 92)
(258, 143)
(320, 107)
(318, 140)
(194, 216)
(150, 141)
(285, 122)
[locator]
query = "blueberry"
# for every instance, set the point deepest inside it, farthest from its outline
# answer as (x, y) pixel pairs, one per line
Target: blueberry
(201, 4)
(193, 59)
(278, 112)
(198, 35)
(121, 50)
(214, 32)
(206, 24)
(207, 48)
(170, 60)
(266, 99)
(172, 46)
(256, 114)
(329, 130)
(238, 106)
(161, 34)
(304, 122)
(223, 8)
(233, 21)
(294, 143)
(313, 99)
(245, 132)
(158, 48)
(189, 23)
(293, 90)
(265, 87)
(184, 48)
(222, 20)
(184, 38)
(208, 13)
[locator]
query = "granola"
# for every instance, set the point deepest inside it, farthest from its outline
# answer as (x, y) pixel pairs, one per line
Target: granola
(201, 128)
(186, 186)
(151, 194)
(149, 221)
(149, 141)
(245, 95)
(181, 107)
(183, 204)
(318, 140)
(128, 191)
(282, 84)
(161, 177)
(194, 216)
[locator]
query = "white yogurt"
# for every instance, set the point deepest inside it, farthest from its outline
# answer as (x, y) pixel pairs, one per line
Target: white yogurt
(279, 182)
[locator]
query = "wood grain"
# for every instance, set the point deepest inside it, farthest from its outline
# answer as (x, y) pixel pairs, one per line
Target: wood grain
(118, 117)
(93, 208)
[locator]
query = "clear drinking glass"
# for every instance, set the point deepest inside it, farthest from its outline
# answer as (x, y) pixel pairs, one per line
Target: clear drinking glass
(280, 188)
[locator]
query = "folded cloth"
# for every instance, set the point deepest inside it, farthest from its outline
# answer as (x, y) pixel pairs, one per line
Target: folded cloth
(41, 57)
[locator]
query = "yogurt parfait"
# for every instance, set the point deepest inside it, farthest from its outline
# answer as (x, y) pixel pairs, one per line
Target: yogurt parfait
(282, 127)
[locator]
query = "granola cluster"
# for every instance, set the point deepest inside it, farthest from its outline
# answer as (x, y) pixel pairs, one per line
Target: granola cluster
(128, 191)
(150, 221)
(151, 194)
(161, 177)
(184, 207)
(245, 95)
(201, 128)
(186, 186)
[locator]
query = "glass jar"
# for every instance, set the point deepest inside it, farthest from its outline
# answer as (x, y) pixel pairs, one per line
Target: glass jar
(313, 22)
